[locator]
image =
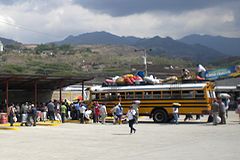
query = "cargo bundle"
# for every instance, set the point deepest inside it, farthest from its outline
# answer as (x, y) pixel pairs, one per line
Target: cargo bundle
(138, 79)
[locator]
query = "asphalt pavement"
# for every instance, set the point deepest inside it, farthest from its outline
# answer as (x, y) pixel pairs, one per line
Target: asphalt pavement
(195, 140)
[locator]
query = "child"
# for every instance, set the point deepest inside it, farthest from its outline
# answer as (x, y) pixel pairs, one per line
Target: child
(175, 111)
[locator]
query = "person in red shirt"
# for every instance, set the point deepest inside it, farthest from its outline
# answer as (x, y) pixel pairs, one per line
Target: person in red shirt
(96, 112)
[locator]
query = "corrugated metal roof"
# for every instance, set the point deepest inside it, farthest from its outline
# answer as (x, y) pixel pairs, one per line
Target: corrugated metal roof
(26, 82)
(228, 82)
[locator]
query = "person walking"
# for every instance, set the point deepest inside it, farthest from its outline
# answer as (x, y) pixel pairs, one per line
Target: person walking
(131, 115)
(175, 111)
(51, 110)
(113, 111)
(82, 112)
(103, 112)
(44, 112)
(96, 112)
(215, 111)
(11, 114)
(63, 112)
(226, 102)
(119, 113)
(222, 111)
(68, 108)
(34, 114)
(135, 106)
(238, 108)
(18, 113)
(77, 109)
(95, 104)
(24, 113)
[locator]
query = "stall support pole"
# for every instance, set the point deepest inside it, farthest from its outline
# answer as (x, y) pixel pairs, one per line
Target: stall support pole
(6, 95)
(35, 93)
(83, 90)
(60, 93)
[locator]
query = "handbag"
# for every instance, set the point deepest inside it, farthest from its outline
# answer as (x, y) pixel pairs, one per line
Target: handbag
(15, 119)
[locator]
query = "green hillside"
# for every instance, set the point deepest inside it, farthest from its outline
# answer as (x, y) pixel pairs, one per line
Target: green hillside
(75, 60)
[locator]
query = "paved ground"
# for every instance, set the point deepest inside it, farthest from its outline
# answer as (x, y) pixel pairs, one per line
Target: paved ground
(189, 141)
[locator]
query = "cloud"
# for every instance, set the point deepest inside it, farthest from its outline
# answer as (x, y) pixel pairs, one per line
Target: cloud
(127, 7)
(40, 21)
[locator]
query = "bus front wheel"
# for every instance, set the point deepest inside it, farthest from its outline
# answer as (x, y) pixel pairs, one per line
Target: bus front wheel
(160, 116)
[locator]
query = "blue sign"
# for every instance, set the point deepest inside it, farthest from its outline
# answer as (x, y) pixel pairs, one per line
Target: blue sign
(222, 73)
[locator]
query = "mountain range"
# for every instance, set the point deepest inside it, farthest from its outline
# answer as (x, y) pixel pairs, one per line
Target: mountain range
(98, 38)
(6, 41)
(158, 45)
(228, 46)
(200, 49)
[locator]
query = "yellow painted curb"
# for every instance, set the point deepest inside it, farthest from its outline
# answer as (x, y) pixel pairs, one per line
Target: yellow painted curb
(17, 124)
(55, 123)
(9, 128)
(48, 124)
(72, 121)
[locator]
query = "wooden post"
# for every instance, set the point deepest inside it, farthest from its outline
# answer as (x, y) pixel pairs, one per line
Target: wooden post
(83, 90)
(35, 93)
(60, 93)
(6, 100)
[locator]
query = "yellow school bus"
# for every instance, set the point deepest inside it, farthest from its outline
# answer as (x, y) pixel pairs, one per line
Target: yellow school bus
(156, 100)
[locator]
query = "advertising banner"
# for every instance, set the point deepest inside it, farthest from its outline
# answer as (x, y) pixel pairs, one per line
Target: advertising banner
(222, 73)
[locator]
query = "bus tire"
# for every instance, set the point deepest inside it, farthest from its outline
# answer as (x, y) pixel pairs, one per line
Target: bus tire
(160, 116)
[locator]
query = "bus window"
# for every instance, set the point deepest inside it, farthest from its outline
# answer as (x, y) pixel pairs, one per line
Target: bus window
(138, 95)
(122, 95)
(176, 94)
(157, 95)
(211, 94)
(166, 94)
(199, 94)
(103, 96)
(187, 94)
(95, 96)
(147, 95)
(129, 95)
(112, 96)
(106, 96)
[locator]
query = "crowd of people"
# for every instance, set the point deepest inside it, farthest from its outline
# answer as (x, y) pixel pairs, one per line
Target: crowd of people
(220, 108)
(218, 114)
(28, 114)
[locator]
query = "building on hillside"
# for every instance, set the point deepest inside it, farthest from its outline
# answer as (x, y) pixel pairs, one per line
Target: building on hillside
(1, 46)
(30, 46)
(159, 70)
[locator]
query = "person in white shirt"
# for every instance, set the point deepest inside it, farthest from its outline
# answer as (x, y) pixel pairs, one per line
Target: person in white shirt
(103, 113)
(135, 106)
(82, 112)
(175, 111)
(87, 114)
(201, 71)
(131, 114)
(226, 101)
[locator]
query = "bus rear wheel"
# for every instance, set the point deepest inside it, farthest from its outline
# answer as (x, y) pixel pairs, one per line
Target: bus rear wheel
(160, 116)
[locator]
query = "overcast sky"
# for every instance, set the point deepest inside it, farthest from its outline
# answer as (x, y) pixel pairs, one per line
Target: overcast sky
(39, 21)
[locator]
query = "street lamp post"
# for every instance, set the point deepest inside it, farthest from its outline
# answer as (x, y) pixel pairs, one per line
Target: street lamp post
(144, 59)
